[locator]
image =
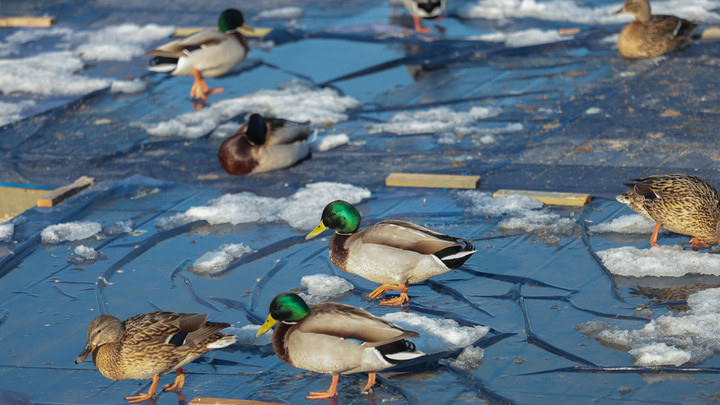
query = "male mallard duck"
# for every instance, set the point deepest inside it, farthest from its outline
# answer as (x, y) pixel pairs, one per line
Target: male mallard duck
(150, 345)
(335, 339)
(427, 9)
(393, 253)
(682, 204)
(264, 144)
(208, 53)
(652, 35)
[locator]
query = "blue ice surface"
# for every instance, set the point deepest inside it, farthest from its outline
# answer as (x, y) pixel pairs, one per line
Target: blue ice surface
(531, 288)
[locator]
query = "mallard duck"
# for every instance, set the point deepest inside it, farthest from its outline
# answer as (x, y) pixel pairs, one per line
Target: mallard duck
(427, 9)
(682, 204)
(264, 144)
(652, 35)
(335, 339)
(208, 53)
(150, 345)
(393, 253)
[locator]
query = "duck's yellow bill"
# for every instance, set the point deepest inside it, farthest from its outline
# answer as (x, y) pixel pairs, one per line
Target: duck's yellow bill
(317, 231)
(269, 323)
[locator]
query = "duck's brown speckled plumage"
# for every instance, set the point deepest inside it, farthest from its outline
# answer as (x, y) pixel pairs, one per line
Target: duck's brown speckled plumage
(681, 203)
(652, 35)
(152, 344)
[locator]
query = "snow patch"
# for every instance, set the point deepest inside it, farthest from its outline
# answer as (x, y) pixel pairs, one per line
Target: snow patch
(301, 210)
(214, 262)
(69, 231)
(661, 261)
(437, 335)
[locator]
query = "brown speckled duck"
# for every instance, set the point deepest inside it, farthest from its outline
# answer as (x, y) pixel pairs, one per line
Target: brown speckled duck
(682, 204)
(208, 53)
(264, 144)
(335, 339)
(150, 345)
(393, 253)
(652, 35)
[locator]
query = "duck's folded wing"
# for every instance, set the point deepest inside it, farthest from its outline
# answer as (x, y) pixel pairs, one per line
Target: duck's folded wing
(176, 49)
(408, 236)
(347, 322)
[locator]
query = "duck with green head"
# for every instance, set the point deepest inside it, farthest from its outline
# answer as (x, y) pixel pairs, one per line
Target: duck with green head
(652, 35)
(683, 204)
(208, 53)
(392, 253)
(333, 338)
(151, 345)
(264, 144)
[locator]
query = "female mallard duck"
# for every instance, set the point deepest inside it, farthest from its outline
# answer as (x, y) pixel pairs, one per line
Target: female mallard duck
(264, 144)
(150, 345)
(208, 53)
(682, 204)
(652, 35)
(335, 339)
(427, 9)
(393, 253)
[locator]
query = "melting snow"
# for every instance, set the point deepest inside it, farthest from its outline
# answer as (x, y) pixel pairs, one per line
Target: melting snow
(662, 261)
(11, 112)
(532, 36)
(214, 262)
(520, 212)
(120, 42)
(6, 232)
(285, 13)
(672, 339)
(322, 287)
(295, 101)
(69, 231)
(327, 142)
(301, 210)
(128, 86)
(633, 223)
(437, 120)
(436, 334)
(469, 359)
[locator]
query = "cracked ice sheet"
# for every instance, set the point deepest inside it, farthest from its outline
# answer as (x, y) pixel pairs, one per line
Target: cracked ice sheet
(301, 210)
(674, 339)
(295, 101)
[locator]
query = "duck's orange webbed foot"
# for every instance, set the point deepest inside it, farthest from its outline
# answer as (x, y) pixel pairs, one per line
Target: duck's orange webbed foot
(145, 396)
(654, 236)
(371, 381)
(330, 393)
(178, 383)
(200, 89)
(403, 288)
(696, 243)
(418, 27)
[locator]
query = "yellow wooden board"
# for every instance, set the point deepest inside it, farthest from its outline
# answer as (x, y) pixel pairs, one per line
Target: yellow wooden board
(431, 180)
(37, 22)
(63, 193)
(549, 197)
(227, 401)
(16, 200)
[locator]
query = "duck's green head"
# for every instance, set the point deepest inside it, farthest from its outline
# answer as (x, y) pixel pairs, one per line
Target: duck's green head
(339, 215)
(256, 131)
(231, 20)
(286, 307)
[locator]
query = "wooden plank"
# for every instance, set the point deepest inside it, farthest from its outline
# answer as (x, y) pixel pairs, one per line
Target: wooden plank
(257, 32)
(711, 32)
(431, 180)
(227, 401)
(14, 200)
(63, 193)
(549, 197)
(37, 22)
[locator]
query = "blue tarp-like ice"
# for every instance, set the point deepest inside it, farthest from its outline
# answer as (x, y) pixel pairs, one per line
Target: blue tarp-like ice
(558, 305)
